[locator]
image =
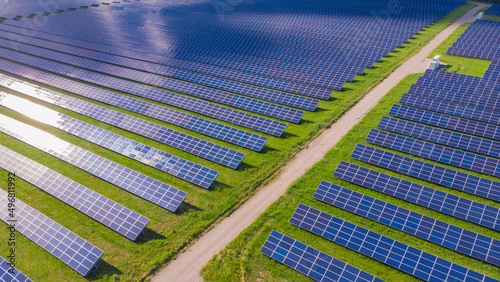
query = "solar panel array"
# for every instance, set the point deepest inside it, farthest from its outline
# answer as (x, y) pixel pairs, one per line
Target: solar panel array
(448, 122)
(150, 156)
(311, 262)
(65, 245)
(107, 212)
(194, 123)
(449, 204)
(493, 10)
(440, 136)
(134, 182)
(446, 177)
(435, 152)
(6, 275)
(384, 249)
(176, 139)
(169, 98)
(439, 232)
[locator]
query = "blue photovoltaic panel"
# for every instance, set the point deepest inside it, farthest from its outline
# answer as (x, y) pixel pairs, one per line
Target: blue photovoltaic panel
(170, 164)
(6, 275)
(254, 122)
(129, 180)
(65, 245)
(447, 177)
(211, 81)
(440, 136)
(451, 108)
(225, 98)
(184, 120)
(462, 208)
(176, 139)
(107, 212)
(449, 122)
(311, 262)
(449, 236)
(384, 249)
(493, 10)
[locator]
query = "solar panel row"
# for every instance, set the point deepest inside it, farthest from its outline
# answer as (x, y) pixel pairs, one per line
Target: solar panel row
(107, 212)
(493, 10)
(311, 262)
(225, 98)
(444, 121)
(440, 136)
(211, 81)
(176, 139)
(7, 275)
(468, 112)
(129, 180)
(443, 176)
(173, 165)
(450, 236)
(65, 245)
(449, 204)
(181, 119)
(384, 249)
(198, 106)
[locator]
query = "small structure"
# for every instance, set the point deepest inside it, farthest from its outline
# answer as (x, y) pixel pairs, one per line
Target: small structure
(434, 64)
(479, 16)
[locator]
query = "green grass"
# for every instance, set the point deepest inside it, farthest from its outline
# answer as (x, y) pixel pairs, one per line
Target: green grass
(492, 18)
(168, 233)
(458, 64)
(241, 259)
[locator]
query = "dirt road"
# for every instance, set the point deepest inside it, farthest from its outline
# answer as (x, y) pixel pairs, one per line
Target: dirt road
(187, 266)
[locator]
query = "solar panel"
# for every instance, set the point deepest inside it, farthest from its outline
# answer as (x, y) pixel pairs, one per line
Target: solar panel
(384, 249)
(311, 262)
(257, 123)
(65, 245)
(447, 177)
(493, 10)
(439, 232)
(449, 122)
(440, 136)
(211, 81)
(107, 212)
(176, 139)
(6, 274)
(451, 108)
(449, 204)
(434, 152)
(129, 180)
(225, 98)
(181, 119)
(172, 165)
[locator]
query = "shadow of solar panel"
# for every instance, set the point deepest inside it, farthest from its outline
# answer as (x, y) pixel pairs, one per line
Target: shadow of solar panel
(129, 180)
(198, 106)
(443, 176)
(11, 274)
(176, 139)
(65, 245)
(449, 122)
(107, 212)
(225, 98)
(449, 236)
(449, 204)
(384, 249)
(311, 262)
(184, 120)
(445, 137)
(172, 165)
(451, 108)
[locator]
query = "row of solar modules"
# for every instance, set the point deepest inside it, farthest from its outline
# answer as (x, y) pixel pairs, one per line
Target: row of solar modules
(493, 10)
(297, 65)
(447, 130)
